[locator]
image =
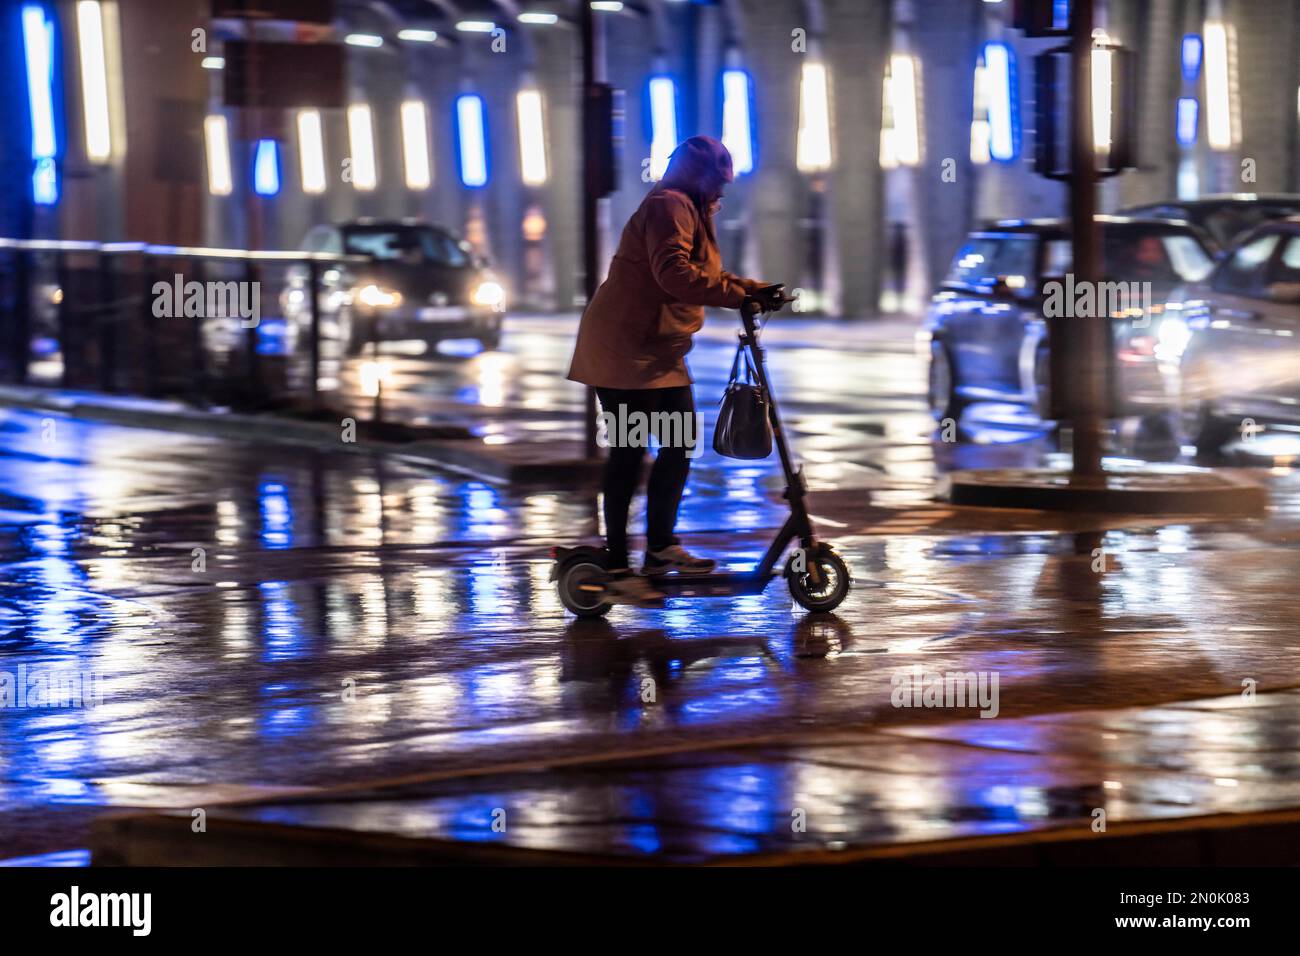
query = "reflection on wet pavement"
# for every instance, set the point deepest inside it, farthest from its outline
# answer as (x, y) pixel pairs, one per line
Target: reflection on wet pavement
(261, 620)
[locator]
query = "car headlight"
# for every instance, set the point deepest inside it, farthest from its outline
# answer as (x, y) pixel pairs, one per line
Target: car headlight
(376, 297)
(1172, 337)
(489, 293)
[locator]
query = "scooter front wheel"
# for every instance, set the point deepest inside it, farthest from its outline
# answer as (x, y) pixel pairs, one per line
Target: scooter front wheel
(822, 589)
(581, 584)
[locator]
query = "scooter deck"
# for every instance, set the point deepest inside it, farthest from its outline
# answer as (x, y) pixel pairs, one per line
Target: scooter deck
(714, 584)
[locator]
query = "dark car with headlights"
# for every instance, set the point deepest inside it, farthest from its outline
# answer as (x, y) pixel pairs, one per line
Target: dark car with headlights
(416, 281)
(988, 338)
(1240, 371)
(1225, 218)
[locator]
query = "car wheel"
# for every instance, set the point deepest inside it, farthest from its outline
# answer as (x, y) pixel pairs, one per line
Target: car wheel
(942, 393)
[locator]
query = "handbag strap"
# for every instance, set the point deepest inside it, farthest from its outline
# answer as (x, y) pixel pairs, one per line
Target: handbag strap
(751, 377)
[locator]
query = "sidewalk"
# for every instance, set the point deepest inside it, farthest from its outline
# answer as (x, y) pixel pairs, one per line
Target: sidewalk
(1211, 781)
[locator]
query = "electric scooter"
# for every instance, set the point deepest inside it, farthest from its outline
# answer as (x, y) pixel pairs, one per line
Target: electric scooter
(817, 577)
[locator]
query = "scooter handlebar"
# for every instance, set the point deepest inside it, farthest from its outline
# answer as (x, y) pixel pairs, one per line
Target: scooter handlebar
(771, 298)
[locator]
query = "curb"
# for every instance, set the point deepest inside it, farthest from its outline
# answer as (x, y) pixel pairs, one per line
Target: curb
(1166, 491)
(558, 464)
(165, 839)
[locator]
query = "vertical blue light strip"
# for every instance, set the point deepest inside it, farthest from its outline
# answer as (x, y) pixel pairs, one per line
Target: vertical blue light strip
(1188, 113)
(38, 47)
(266, 168)
(1004, 104)
(1192, 49)
(471, 135)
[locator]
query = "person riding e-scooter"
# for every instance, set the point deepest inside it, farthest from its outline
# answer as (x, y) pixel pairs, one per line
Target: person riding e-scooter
(632, 342)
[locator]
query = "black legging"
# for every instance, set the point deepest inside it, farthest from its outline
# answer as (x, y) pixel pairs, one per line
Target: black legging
(623, 468)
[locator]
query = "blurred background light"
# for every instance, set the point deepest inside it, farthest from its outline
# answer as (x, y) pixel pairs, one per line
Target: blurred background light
(1188, 112)
(363, 39)
(217, 146)
(1102, 81)
(415, 144)
(1218, 104)
(213, 63)
(45, 182)
(663, 123)
(904, 99)
(311, 152)
(979, 125)
(532, 137)
(475, 26)
(266, 168)
(94, 80)
(471, 134)
(1004, 113)
(737, 134)
(813, 140)
(538, 17)
(1191, 57)
(361, 143)
(38, 46)
(417, 36)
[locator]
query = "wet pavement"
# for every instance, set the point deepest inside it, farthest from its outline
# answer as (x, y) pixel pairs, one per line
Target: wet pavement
(348, 621)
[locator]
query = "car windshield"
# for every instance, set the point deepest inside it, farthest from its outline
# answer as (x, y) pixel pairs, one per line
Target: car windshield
(1165, 258)
(1227, 222)
(411, 244)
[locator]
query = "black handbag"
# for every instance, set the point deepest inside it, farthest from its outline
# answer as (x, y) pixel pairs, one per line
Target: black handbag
(744, 429)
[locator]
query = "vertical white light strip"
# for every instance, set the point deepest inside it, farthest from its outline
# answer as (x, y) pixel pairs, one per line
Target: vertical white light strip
(904, 90)
(361, 142)
(979, 126)
(737, 134)
(1218, 109)
(94, 80)
(663, 123)
(532, 137)
(813, 143)
(311, 152)
(415, 144)
(1102, 61)
(218, 150)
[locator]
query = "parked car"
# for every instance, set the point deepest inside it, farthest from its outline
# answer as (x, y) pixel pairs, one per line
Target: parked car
(419, 282)
(1241, 368)
(988, 338)
(1226, 217)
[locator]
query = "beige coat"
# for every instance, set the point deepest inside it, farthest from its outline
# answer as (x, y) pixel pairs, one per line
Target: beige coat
(637, 329)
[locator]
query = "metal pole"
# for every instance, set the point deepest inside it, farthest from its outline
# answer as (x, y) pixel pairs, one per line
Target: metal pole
(590, 237)
(1087, 339)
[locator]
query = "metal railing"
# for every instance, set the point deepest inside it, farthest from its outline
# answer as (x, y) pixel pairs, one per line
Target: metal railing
(85, 315)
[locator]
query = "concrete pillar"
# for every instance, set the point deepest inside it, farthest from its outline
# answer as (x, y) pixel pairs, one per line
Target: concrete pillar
(857, 45)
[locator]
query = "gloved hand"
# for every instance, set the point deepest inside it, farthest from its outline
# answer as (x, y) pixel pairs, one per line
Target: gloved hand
(770, 298)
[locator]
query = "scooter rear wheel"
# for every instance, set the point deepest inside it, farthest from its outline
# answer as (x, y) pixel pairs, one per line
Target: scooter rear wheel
(828, 591)
(576, 583)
